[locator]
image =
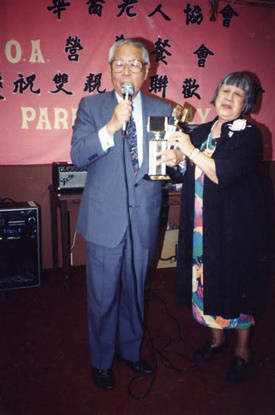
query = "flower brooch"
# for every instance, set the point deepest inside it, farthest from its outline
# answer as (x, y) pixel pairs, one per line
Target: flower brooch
(237, 125)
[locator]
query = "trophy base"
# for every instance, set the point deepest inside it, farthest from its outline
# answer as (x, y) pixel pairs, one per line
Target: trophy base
(153, 177)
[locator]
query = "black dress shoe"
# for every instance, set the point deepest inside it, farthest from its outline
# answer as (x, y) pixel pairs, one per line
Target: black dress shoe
(208, 352)
(141, 366)
(104, 379)
(238, 370)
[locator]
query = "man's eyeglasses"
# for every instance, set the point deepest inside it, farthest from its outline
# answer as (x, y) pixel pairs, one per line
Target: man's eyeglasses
(134, 65)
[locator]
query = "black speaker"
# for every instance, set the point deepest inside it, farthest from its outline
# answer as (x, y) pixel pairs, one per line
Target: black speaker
(20, 260)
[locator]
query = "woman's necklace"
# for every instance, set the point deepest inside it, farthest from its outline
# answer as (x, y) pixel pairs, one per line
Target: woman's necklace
(209, 150)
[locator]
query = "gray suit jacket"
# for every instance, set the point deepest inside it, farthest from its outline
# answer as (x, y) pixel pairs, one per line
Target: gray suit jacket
(103, 214)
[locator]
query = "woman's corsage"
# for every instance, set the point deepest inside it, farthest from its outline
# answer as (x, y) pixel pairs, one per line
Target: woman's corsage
(237, 125)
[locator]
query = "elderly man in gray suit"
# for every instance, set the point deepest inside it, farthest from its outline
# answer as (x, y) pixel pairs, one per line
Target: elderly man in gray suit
(119, 210)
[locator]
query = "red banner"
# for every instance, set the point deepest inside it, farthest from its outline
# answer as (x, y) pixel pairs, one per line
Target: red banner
(53, 52)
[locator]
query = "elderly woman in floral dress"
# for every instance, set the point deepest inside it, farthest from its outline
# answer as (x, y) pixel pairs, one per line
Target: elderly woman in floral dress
(220, 221)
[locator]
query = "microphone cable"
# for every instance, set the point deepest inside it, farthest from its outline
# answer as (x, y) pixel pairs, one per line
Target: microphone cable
(154, 350)
(127, 92)
(139, 312)
(130, 229)
(161, 354)
(132, 253)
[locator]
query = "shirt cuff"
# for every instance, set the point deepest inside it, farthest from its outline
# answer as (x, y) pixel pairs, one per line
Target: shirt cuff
(106, 140)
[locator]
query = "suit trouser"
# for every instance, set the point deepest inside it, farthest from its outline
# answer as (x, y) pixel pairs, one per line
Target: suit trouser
(113, 320)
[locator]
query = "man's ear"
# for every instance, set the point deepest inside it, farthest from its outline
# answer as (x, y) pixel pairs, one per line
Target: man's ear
(147, 69)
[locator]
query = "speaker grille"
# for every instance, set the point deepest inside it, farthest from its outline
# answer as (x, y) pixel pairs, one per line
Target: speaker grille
(20, 260)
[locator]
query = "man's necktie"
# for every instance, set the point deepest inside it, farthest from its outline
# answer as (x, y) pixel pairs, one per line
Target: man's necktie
(131, 137)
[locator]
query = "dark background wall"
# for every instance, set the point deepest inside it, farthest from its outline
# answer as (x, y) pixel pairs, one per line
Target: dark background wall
(30, 183)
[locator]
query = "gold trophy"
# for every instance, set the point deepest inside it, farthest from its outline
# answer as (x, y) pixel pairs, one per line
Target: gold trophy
(179, 116)
(162, 128)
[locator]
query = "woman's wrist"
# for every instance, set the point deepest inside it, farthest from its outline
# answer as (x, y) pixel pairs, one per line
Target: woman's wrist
(194, 152)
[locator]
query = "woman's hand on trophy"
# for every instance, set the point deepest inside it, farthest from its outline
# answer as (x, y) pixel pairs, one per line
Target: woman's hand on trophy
(181, 141)
(171, 157)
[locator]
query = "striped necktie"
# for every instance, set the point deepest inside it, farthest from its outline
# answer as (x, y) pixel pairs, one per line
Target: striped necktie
(131, 137)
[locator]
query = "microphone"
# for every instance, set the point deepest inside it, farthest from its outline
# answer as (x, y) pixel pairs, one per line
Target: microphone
(127, 91)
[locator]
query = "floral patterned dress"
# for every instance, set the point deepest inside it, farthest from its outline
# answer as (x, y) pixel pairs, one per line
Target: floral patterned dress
(243, 321)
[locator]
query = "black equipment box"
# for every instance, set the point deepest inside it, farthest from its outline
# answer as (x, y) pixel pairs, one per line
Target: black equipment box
(20, 259)
(68, 178)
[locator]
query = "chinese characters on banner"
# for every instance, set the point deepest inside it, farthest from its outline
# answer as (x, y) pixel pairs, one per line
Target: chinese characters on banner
(53, 56)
